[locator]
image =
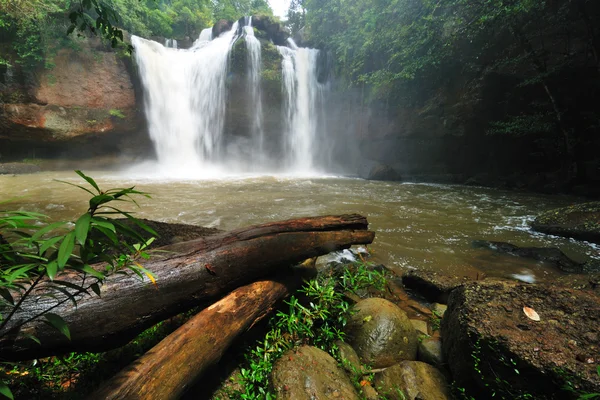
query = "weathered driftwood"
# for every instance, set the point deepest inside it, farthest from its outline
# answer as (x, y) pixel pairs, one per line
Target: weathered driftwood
(170, 367)
(191, 273)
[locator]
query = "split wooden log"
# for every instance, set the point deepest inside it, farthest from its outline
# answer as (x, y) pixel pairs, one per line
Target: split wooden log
(189, 274)
(168, 369)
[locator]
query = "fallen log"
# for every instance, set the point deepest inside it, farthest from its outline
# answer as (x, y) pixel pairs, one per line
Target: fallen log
(173, 365)
(188, 274)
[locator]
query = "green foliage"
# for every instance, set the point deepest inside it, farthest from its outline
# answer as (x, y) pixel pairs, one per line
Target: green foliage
(318, 321)
(31, 251)
(520, 125)
(569, 386)
(35, 27)
(406, 52)
(116, 113)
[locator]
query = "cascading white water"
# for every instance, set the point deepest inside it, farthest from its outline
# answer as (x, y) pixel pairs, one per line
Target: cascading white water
(186, 104)
(254, 87)
(172, 43)
(185, 99)
(303, 99)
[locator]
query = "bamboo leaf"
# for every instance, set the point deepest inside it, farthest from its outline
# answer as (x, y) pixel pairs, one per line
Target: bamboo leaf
(52, 269)
(58, 323)
(5, 391)
(96, 288)
(46, 229)
(82, 227)
(103, 222)
(49, 243)
(5, 293)
(66, 249)
(77, 186)
(89, 270)
(89, 180)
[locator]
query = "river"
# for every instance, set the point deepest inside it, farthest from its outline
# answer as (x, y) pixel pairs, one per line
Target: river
(420, 226)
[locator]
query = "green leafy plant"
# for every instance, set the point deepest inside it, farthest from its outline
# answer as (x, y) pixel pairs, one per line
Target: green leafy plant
(34, 254)
(116, 113)
(318, 320)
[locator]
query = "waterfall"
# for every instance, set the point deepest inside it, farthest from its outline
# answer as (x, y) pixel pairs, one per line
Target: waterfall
(254, 88)
(303, 100)
(172, 43)
(185, 98)
(186, 91)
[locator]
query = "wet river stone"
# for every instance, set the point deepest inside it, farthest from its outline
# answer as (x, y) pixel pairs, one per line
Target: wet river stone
(381, 333)
(579, 221)
(492, 347)
(312, 374)
(412, 380)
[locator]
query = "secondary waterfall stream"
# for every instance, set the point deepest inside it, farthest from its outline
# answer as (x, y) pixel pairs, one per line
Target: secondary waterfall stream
(303, 101)
(186, 103)
(254, 88)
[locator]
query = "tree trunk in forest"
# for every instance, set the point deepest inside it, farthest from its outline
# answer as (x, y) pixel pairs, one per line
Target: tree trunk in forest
(173, 365)
(187, 274)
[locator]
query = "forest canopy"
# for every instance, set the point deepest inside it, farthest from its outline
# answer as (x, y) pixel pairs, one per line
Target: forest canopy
(33, 26)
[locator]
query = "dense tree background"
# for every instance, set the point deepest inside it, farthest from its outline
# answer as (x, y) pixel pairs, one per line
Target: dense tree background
(542, 55)
(34, 27)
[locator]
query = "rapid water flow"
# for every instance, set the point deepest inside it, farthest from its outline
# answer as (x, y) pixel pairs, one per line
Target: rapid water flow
(303, 100)
(420, 226)
(185, 99)
(254, 88)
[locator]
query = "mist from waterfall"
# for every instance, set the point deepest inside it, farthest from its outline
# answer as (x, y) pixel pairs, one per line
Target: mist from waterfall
(257, 131)
(303, 95)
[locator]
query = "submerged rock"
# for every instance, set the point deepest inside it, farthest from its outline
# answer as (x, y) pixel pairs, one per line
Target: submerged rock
(381, 333)
(375, 171)
(18, 168)
(312, 374)
(412, 380)
(550, 255)
(579, 221)
(491, 346)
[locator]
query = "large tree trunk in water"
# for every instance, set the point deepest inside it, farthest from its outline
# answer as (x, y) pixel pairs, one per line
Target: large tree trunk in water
(192, 273)
(172, 366)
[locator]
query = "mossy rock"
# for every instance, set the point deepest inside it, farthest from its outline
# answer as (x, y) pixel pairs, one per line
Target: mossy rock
(412, 380)
(579, 221)
(381, 333)
(308, 373)
(492, 347)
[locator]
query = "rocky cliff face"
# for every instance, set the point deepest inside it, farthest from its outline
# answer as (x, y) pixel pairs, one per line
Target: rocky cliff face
(84, 105)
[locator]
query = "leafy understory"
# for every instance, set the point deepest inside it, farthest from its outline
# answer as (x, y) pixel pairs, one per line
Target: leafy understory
(35, 255)
(316, 317)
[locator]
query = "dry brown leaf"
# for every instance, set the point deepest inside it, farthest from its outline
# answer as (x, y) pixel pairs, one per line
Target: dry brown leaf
(531, 314)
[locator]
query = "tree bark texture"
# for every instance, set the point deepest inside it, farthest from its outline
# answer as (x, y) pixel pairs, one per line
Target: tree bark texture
(173, 365)
(187, 275)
